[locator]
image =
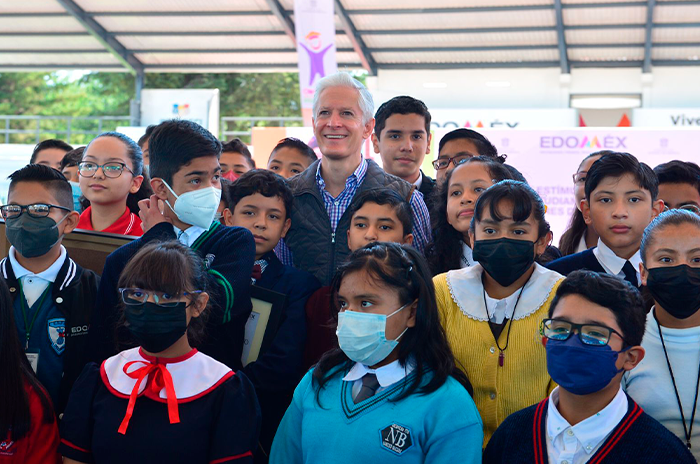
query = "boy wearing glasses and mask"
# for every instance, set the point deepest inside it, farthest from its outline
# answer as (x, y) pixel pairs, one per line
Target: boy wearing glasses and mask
(186, 180)
(52, 296)
(592, 336)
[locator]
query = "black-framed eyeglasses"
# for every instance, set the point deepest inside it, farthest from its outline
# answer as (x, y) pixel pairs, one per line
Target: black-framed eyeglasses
(138, 296)
(692, 208)
(37, 210)
(111, 170)
(580, 176)
(443, 163)
(589, 334)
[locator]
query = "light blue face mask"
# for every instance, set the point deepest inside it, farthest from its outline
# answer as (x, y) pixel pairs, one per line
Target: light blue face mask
(362, 336)
(75, 187)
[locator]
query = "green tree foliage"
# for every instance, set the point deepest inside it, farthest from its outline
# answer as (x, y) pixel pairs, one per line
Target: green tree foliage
(109, 94)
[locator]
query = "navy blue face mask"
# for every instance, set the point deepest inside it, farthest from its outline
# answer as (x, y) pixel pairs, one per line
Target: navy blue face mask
(579, 368)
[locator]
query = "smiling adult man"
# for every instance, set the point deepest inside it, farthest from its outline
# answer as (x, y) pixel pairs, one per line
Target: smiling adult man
(342, 118)
(402, 138)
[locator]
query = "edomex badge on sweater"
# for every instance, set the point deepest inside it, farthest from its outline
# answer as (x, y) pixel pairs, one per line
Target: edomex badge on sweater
(396, 438)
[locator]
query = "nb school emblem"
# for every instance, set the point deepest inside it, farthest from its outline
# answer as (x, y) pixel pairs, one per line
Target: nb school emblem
(396, 438)
(57, 334)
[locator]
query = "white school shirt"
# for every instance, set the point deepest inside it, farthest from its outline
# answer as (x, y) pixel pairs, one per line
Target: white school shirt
(33, 285)
(386, 375)
(498, 310)
(576, 444)
(650, 382)
(582, 246)
(612, 263)
(467, 258)
(190, 235)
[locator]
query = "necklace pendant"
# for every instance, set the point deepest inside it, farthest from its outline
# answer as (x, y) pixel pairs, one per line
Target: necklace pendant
(501, 357)
(688, 443)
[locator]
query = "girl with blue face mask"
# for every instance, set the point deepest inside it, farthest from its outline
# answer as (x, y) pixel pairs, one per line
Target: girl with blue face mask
(492, 310)
(394, 374)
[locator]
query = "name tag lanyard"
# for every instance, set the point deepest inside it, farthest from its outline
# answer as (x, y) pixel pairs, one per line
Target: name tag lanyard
(25, 310)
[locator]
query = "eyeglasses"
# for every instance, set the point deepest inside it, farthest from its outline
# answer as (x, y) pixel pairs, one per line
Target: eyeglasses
(691, 208)
(580, 177)
(589, 334)
(443, 163)
(137, 296)
(37, 210)
(111, 170)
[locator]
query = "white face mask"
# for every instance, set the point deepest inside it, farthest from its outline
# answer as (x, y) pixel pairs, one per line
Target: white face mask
(362, 337)
(198, 207)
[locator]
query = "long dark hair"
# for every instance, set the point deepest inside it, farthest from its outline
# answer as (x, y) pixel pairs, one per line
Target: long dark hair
(404, 269)
(15, 415)
(133, 151)
(577, 225)
(445, 251)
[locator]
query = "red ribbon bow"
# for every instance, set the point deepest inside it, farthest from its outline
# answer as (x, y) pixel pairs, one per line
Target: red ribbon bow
(161, 379)
(257, 272)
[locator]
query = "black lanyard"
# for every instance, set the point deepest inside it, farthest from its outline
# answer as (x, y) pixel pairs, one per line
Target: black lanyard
(24, 303)
(687, 432)
(501, 354)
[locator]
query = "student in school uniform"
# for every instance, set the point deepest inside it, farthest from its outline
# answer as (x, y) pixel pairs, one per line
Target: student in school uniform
(28, 426)
(236, 159)
(453, 209)
(185, 175)
(665, 383)
(162, 401)
(260, 201)
(290, 157)
(50, 152)
(52, 296)
(378, 215)
(457, 145)
(578, 236)
(592, 336)
(491, 311)
(679, 185)
(621, 200)
(112, 180)
(390, 392)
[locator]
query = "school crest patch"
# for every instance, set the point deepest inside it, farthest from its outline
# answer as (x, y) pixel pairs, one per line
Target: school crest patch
(6, 447)
(57, 334)
(396, 438)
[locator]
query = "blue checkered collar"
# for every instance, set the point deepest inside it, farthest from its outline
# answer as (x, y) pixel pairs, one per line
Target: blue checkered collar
(355, 178)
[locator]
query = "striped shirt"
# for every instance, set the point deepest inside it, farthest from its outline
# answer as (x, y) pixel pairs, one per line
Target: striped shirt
(336, 208)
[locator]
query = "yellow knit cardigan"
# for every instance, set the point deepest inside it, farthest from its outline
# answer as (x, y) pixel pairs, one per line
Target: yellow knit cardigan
(523, 379)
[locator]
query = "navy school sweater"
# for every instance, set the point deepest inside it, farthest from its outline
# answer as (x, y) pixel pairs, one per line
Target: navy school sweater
(583, 260)
(638, 439)
(230, 252)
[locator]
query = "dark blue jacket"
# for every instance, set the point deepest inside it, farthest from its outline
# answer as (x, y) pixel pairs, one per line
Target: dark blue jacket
(583, 260)
(638, 439)
(230, 252)
(277, 372)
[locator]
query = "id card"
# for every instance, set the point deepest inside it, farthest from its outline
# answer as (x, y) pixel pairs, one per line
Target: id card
(33, 358)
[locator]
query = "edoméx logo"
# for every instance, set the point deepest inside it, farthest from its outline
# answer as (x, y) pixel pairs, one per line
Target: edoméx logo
(607, 142)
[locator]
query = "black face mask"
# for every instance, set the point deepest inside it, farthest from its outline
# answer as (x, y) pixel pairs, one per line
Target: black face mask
(32, 236)
(156, 328)
(676, 289)
(505, 259)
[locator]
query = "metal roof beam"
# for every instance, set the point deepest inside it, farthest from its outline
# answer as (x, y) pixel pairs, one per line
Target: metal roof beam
(180, 13)
(197, 33)
(561, 39)
(110, 43)
(357, 43)
(285, 21)
(222, 50)
(646, 66)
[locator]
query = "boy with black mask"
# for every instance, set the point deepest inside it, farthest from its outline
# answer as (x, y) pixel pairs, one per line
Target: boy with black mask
(666, 381)
(186, 181)
(53, 296)
(592, 336)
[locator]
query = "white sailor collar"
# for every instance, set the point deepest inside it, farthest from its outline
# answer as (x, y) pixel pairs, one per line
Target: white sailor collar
(193, 375)
(467, 291)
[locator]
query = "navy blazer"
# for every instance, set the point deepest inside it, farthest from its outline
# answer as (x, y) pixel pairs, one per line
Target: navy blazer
(583, 260)
(280, 367)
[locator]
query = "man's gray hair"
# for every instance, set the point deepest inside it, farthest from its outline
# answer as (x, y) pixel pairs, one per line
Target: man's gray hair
(343, 79)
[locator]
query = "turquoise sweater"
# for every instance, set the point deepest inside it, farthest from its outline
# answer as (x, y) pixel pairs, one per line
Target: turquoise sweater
(441, 427)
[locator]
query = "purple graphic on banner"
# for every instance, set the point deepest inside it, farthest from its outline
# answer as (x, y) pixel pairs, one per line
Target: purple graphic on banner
(316, 62)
